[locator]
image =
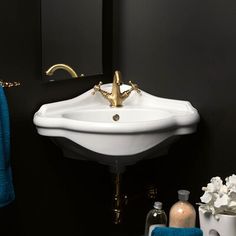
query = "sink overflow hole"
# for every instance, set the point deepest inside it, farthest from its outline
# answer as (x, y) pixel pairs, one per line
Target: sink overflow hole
(116, 117)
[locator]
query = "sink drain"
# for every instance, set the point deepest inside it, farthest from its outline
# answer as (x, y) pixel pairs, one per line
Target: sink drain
(116, 117)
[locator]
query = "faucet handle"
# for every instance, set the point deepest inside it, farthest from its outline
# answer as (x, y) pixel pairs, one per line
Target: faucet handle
(135, 87)
(97, 87)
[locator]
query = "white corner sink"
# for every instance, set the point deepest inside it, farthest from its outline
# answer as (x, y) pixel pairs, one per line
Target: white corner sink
(88, 123)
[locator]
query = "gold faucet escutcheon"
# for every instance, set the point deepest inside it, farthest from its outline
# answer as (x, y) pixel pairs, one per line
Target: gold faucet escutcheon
(116, 97)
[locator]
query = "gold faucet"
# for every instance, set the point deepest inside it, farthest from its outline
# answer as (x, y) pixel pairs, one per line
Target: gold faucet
(116, 97)
(55, 67)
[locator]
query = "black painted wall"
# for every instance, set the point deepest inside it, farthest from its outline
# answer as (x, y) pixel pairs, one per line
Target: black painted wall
(176, 49)
(185, 50)
(54, 195)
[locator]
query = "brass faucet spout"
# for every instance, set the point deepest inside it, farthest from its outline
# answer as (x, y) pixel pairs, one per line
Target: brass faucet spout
(65, 67)
(117, 78)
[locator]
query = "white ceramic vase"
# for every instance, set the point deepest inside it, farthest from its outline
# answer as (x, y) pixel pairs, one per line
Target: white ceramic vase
(225, 226)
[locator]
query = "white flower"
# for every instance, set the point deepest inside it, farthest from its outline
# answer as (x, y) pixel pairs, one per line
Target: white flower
(217, 183)
(224, 189)
(209, 188)
(232, 204)
(206, 197)
(231, 183)
(218, 197)
(221, 201)
(231, 180)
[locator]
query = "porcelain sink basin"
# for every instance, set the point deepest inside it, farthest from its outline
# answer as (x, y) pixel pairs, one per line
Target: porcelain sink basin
(88, 123)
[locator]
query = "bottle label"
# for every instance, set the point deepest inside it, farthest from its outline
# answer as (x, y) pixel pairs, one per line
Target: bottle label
(152, 227)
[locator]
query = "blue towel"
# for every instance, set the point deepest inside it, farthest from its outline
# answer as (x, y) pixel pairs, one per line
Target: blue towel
(171, 231)
(7, 194)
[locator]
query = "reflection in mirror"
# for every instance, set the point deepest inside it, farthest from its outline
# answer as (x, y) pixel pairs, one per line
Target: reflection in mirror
(71, 38)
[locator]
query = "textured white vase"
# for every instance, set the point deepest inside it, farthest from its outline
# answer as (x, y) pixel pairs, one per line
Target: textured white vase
(225, 226)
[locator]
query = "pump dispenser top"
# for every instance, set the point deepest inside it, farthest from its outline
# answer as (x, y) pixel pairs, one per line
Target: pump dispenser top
(182, 213)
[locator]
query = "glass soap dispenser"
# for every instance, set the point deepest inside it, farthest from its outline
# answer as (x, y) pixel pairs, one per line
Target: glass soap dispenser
(182, 213)
(156, 217)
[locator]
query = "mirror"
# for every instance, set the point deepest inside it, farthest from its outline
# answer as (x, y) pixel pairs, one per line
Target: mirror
(72, 34)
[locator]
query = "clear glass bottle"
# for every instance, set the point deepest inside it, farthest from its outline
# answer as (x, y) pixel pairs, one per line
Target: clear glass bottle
(182, 213)
(156, 217)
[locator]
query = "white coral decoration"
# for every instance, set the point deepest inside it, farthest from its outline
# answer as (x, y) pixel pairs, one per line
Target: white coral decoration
(219, 197)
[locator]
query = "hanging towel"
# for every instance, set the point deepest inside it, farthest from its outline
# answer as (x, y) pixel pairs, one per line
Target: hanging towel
(7, 194)
(171, 231)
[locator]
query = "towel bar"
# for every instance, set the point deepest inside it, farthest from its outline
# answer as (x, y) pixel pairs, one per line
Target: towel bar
(9, 84)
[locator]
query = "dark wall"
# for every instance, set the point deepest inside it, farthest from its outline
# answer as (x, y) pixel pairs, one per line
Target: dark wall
(184, 50)
(54, 195)
(174, 49)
